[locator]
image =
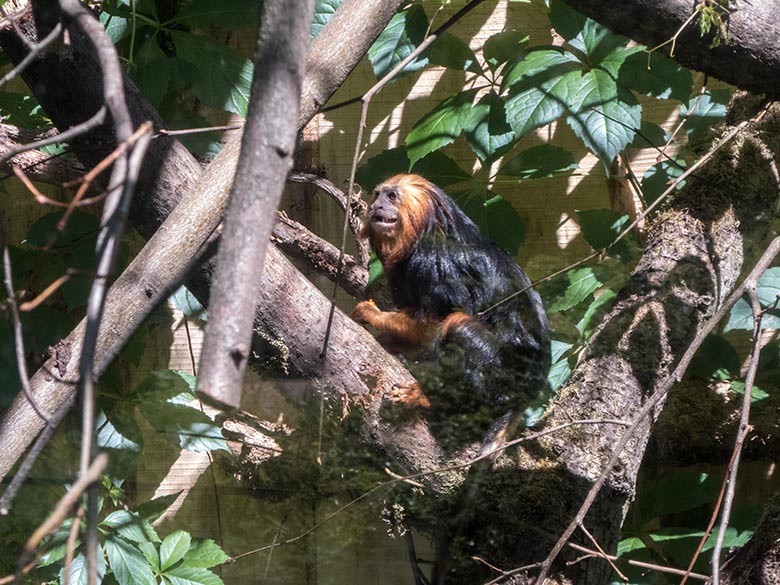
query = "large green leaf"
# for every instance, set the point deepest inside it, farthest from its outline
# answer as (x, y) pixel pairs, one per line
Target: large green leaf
(495, 216)
(130, 526)
(487, 131)
(452, 52)
(703, 112)
(185, 426)
(173, 548)
(659, 177)
(677, 491)
(600, 227)
(192, 576)
(110, 438)
(741, 316)
(540, 89)
(405, 31)
(582, 283)
(441, 126)
(656, 75)
(436, 167)
(593, 39)
(152, 71)
(503, 47)
(79, 575)
(223, 78)
(538, 162)
(205, 553)
(323, 12)
(229, 14)
(604, 115)
(560, 370)
(129, 565)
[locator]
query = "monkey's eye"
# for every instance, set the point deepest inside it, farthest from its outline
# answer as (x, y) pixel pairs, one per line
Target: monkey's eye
(392, 195)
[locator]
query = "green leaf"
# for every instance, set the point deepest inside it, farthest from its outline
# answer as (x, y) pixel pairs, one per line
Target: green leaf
(560, 370)
(116, 26)
(649, 135)
(130, 526)
(205, 553)
(150, 510)
(79, 575)
(716, 360)
(441, 126)
(452, 52)
(541, 88)
(405, 31)
(677, 491)
(582, 283)
(129, 565)
(186, 302)
(741, 316)
(756, 393)
(110, 438)
(185, 426)
(539, 162)
(629, 545)
(173, 548)
(21, 110)
(438, 168)
(161, 385)
(703, 112)
(192, 576)
(769, 289)
(228, 14)
(323, 12)
(503, 46)
(659, 177)
(600, 227)
(604, 115)
(496, 218)
(595, 313)
(80, 225)
(224, 77)
(656, 75)
(586, 35)
(487, 131)
(151, 555)
(153, 71)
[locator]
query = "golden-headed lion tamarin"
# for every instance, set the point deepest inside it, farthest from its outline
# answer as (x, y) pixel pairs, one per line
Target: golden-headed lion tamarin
(445, 276)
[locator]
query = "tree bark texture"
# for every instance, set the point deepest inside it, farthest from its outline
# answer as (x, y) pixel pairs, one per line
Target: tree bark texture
(749, 58)
(265, 160)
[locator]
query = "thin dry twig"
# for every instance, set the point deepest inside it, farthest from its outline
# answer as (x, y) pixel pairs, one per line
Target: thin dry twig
(601, 552)
(662, 390)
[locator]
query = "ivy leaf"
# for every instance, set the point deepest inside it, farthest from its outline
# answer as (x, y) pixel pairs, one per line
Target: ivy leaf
(440, 169)
(678, 491)
(584, 34)
(540, 88)
(185, 426)
(656, 75)
(496, 218)
(441, 126)
(658, 178)
(224, 77)
(79, 575)
(228, 14)
(560, 370)
(756, 394)
(741, 315)
(186, 302)
(405, 31)
(437, 167)
(716, 359)
(769, 288)
(600, 227)
(595, 313)
(703, 112)
(151, 554)
(539, 162)
(503, 46)
(192, 576)
(173, 548)
(205, 553)
(649, 135)
(108, 437)
(452, 52)
(487, 131)
(153, 71)
(130, 526)
(604, 115)
(582, 283)
(128, 564)
(323, 12)
(79, 226)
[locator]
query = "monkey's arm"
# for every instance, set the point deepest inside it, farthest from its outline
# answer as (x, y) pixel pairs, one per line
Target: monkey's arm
(400, 325)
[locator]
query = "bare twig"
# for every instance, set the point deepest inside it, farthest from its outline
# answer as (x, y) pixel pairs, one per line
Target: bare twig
(601, 552)
(663, 388)
(640, 564)
(742, 432)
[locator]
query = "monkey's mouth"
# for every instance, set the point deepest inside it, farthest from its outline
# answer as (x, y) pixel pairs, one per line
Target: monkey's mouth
(383, 223)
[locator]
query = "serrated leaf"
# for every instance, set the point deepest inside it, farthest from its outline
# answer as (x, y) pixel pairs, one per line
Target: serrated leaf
(613, 62)
(560, 370)
(656, 75)
(117, 27)
(541, 88)
(590, 37)
(649, 135)
(716, 359)
(224, 77)
(437, 167)
(128, 564)
(173, 548)
(79, 575)
(703, 112)
(496, 218)
(659, 177)
(110, 438)
(405, 31)
(161, 385)
(153, 71)
(678, 491)
(323, 12)
(151, 555)
(192, 576)
(538, 162)
(769, 288)
(130, 526)
(595, 313)
(487, 131)
(503, 46)
(604, 115)
(756, 393)
(228, 14)
(205, 553)
(582, 283)
(80, 225)
(452, 52)
(441, 126)
(184, 426)
(440, 169)
(600, 228)
(628, 545)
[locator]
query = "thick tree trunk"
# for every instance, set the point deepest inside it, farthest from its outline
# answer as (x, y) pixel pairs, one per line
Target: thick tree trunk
(749, 58)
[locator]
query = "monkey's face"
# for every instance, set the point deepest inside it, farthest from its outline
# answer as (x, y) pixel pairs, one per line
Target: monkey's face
(384, 216)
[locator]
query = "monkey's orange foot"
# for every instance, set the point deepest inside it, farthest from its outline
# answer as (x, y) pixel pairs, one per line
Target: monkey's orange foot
(363, 312)
(409, 396)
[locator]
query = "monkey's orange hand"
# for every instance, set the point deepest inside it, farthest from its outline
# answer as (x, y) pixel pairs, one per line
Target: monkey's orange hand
(366, 312)
(410, 395)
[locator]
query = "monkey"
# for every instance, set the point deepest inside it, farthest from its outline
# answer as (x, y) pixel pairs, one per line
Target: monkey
(477, 348)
